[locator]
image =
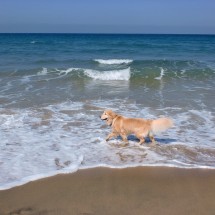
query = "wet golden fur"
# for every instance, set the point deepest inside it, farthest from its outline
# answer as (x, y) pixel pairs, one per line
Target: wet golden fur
(123, 126)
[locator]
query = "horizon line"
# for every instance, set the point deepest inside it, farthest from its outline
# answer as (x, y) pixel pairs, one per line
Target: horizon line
(96, 33)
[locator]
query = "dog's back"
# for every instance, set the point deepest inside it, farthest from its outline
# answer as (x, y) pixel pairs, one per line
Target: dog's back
(140, 125)
(132, 125)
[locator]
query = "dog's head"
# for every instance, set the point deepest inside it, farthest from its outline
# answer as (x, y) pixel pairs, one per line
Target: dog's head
(108, 116)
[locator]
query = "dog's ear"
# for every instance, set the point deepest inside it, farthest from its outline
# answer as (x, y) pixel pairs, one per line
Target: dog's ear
(112, 114)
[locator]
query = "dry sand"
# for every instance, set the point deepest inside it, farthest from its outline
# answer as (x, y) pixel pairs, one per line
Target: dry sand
(131, 191)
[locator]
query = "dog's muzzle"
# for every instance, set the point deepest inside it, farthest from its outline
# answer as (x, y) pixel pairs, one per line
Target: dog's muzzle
(102, 119)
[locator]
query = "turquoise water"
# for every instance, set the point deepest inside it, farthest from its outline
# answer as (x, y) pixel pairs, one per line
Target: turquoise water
(53, 87)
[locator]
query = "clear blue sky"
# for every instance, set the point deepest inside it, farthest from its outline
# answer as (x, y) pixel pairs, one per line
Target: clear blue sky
(108, 16)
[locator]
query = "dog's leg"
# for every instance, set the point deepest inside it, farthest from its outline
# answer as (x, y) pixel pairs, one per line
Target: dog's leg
(152, 138)
(141, 138)
(124, 138)
(113, 134)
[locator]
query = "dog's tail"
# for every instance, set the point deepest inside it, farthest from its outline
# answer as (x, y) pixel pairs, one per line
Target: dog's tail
(160, 125)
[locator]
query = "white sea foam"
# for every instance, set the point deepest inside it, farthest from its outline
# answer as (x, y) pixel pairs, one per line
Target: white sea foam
(44, 71)
(183, 71)
(114, 61)
(45, 141)
(70, 169)
(59, 72)
(161, 74)
(67, 71)
(123, 74)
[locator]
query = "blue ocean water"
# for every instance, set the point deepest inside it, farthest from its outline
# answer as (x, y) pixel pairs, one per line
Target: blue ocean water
(35, 50)
(53, 87)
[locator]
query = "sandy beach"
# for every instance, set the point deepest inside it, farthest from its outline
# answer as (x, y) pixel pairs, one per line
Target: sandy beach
(132, 191)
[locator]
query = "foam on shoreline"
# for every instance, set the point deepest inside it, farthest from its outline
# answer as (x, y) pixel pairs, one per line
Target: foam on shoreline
(45, 141)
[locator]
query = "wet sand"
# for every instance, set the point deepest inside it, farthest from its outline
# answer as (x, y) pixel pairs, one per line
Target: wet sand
(131, 191)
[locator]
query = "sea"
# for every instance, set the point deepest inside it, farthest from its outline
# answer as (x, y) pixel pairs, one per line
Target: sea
(54, 87)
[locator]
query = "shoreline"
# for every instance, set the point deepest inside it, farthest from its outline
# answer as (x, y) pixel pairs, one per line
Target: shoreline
(133, 190)
(51, 174)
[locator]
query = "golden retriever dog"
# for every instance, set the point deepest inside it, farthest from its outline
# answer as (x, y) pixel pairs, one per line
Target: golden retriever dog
(142, 128)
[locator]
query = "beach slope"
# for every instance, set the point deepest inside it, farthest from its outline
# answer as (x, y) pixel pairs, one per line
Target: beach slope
(130, 191)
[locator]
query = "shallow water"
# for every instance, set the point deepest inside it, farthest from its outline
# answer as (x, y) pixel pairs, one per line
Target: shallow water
(53, 88)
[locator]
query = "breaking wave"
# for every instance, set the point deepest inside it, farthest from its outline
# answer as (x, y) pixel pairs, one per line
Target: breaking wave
(114, 61)
(123, 74)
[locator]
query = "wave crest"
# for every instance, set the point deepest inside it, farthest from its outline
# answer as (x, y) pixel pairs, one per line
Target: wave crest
(114, 61)
(123, 74)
